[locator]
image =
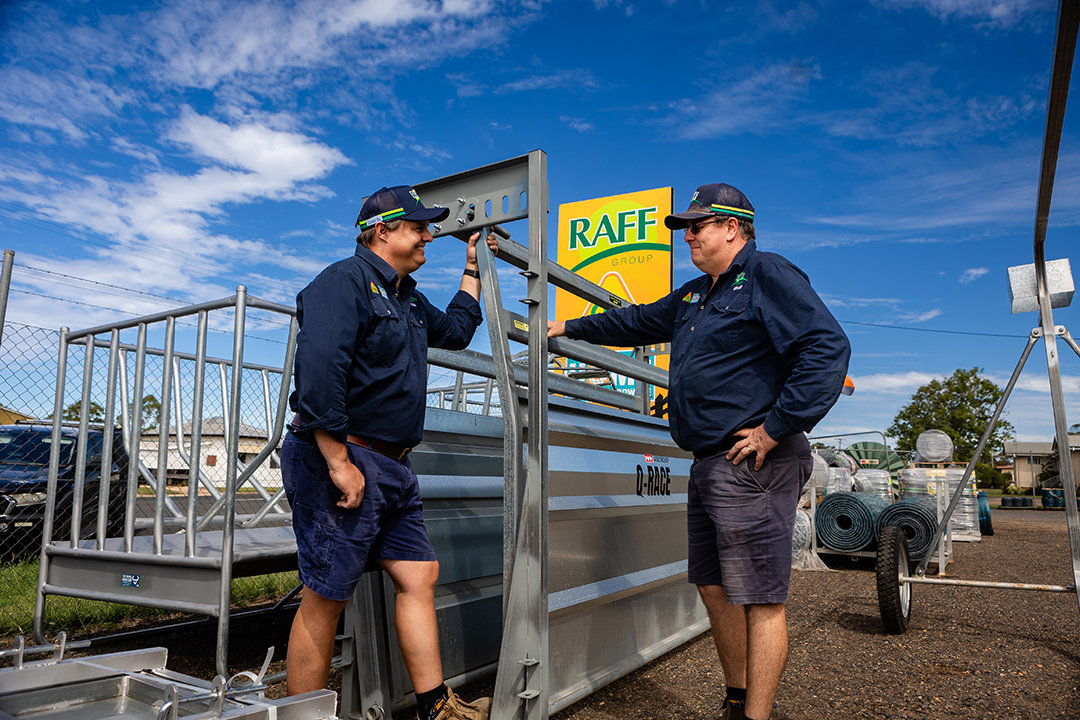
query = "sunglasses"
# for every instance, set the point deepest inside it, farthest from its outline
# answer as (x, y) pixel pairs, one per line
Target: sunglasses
(695, 227)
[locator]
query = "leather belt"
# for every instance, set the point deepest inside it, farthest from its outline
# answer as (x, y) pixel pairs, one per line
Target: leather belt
(391, 451)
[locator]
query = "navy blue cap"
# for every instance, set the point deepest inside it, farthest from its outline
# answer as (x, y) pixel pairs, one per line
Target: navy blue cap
(396, 203)
(713, 199)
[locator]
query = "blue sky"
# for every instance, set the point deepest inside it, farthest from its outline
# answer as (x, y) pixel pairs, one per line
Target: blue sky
(890, 147)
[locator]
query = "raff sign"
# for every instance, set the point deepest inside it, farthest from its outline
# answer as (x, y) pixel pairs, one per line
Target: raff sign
(621, 244)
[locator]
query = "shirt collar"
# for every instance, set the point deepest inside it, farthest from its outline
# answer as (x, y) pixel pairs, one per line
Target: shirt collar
(384, 270)
(743, 256)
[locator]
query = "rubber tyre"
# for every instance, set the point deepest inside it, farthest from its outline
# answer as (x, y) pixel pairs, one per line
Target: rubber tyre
(894, 596)
(986, 525)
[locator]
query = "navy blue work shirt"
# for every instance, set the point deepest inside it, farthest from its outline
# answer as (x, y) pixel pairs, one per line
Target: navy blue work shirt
(758, 346)
(361, 353)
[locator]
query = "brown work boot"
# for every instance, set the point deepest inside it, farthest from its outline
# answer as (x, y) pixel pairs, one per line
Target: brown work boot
(454, 708)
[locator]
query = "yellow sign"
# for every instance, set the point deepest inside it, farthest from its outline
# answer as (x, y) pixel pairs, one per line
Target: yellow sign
(621, 244)
(618, 242)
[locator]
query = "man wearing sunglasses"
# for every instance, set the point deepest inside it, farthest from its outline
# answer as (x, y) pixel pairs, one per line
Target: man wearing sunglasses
(361, 385)
(756, 361)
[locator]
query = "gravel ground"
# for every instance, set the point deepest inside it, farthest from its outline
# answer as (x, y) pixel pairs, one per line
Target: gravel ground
(968, 653)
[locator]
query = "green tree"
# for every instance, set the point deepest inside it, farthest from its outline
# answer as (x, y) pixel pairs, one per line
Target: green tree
(961, 406)
(151, 413)
(95, 413)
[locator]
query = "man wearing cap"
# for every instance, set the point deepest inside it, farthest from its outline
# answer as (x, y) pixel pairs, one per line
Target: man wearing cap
(756, 361)
(359, 399)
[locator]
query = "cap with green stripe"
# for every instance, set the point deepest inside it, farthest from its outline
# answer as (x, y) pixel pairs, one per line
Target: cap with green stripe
(396, 203)
(713, 199)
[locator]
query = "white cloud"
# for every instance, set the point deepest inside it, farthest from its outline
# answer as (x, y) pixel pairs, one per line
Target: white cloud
(765, 100)
(1003, 13)
(575, 79)
(207, 43)
(972, 274)
(903, 383)
(579, 124)
(159, 223)
(261, 150)
(58, 101)
(919, 317)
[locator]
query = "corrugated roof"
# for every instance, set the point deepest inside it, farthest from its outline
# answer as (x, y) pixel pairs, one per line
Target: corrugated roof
(212, 426)
(1013, 448)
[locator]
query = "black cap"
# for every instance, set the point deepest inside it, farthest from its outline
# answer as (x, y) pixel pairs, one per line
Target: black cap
(713, 199)
(396, 203)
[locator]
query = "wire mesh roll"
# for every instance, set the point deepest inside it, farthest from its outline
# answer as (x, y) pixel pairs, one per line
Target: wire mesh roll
(819, 477)
(847, 521)
(964, 522)
(917, 519)
(839, 480)
(800, 538)
(876, 482)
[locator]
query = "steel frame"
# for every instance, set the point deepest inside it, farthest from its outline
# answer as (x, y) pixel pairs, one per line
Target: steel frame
(1064, 48)
(479, 201)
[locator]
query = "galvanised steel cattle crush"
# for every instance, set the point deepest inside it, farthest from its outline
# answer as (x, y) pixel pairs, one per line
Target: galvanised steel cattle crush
(560, 526)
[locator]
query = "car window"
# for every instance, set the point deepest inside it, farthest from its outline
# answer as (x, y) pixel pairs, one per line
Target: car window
(29, 448)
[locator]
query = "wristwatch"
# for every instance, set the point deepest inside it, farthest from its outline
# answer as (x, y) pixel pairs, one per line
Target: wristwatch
(472, 273)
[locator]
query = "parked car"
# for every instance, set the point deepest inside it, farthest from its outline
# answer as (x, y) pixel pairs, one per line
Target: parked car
(24, 473)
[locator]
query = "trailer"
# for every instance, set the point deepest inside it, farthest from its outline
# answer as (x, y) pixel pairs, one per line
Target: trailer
(558, 513)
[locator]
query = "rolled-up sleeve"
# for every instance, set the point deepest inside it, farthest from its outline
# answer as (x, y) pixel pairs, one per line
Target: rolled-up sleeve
(453, 329)
(332, 315)
(806, 335)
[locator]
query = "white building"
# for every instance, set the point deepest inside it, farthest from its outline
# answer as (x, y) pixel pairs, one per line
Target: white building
(213, 455)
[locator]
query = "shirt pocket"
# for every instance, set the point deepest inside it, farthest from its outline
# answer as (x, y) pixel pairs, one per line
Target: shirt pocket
(386, 339)
(725, 322)
(418, 327)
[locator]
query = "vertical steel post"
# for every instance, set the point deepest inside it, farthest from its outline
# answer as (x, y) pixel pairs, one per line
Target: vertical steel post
(521, 691)
(232, 440)
(5, 288)
(163, 433)
(1060, 72)
(195, 463)
(135, 439)
(50, 495)
(79, 487)
(105, 477)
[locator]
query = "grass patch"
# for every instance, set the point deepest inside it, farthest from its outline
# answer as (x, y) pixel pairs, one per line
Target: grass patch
(88, 618)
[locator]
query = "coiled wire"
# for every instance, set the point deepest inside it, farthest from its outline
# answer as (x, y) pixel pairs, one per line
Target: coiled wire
(800, 538)
(917, 519)
(847, 521)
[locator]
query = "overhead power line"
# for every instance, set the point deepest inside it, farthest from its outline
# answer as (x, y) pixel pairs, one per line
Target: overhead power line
(178, 257)
(130, 291)
(932, 330)
(129, 312)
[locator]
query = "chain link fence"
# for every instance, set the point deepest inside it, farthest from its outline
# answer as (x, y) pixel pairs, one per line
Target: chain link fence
(28, 378)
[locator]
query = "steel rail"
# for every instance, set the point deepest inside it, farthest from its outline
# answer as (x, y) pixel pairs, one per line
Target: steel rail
(985, 583)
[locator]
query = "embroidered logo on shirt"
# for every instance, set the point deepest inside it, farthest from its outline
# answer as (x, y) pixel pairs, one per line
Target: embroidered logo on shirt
(691, 297)
(739, 280)
(378, 290)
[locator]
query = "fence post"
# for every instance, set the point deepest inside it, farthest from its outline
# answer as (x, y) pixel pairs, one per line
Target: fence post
(5, 287)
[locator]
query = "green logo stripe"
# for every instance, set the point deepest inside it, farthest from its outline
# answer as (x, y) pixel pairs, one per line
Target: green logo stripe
(619, 250)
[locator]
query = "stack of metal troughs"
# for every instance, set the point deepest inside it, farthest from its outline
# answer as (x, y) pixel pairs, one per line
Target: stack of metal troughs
(924, 482)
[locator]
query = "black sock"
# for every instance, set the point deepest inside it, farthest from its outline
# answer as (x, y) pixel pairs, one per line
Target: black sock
(737, 695)
(428, 704)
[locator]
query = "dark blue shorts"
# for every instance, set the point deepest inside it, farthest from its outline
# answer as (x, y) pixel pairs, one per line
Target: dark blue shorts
(740, 522)
(336, 546)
